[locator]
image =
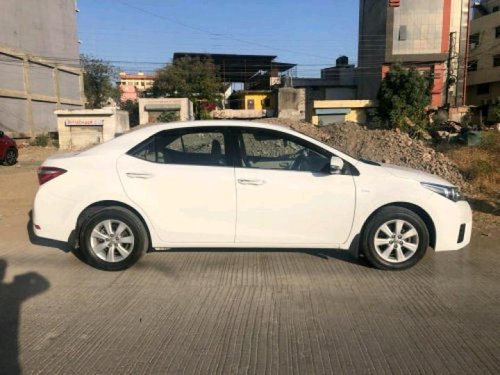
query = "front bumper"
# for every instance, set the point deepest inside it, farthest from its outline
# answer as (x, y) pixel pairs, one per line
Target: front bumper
(453, 226)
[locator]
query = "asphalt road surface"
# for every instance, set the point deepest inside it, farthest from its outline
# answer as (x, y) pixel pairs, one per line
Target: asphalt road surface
(255, 312)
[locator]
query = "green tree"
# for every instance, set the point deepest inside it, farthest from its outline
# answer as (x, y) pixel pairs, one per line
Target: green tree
(496, 111)
(133, 111)
(403, 97)
(98, 77)
(193, 78)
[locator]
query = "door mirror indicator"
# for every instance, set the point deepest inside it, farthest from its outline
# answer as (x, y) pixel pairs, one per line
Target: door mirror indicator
(336, 165)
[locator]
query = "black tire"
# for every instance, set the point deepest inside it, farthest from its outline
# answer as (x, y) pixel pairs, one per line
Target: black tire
(10, 157)
(386, 215)
(114, 214)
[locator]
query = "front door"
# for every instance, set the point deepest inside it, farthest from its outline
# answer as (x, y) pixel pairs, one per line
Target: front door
(250, 104)
(184, 181)
(286, 194)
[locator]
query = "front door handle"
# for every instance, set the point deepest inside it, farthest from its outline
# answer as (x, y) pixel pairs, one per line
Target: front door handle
(143, 176)
(243, 181)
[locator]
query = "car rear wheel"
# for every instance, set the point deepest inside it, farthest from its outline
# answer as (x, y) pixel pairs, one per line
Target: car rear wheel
(10, 157)
(113, 239)
(395, 239)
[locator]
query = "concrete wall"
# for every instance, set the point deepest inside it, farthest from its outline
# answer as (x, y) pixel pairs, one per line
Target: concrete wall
(97, 125)
(371, 46)
(358, 111)
(241, 114)
(45, 28)
(340, 93)
(292, 103)
(39, 66)
(423, 20)
(184, 105)
(258, 100)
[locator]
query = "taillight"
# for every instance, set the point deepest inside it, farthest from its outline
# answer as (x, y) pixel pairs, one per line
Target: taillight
(49, 173)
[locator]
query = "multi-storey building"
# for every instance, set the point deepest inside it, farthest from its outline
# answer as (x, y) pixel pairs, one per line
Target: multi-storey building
(39, 64)
(133, 85)
(483, 79)
(430, 35)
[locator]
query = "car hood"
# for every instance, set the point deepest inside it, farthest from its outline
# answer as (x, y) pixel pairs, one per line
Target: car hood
(413, 174)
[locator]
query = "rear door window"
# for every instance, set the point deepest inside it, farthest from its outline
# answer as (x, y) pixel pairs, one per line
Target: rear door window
(185, 146)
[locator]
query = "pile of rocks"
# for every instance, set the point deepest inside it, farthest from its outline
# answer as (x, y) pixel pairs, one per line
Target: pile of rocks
(385, 146)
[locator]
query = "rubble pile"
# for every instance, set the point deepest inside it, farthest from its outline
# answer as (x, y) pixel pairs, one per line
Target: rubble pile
(384, 146)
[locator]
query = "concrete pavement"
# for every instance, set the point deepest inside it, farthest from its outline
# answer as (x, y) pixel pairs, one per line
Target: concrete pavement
(250, 312)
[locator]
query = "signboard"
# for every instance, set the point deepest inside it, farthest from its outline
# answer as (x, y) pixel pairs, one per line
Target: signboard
(84, 122)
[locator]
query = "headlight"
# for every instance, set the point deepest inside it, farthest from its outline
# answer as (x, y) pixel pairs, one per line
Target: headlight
(450, 192)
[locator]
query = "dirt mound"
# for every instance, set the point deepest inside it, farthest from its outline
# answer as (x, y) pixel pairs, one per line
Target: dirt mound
(385, 146)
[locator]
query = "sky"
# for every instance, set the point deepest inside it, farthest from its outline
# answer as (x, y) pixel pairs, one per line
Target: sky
(142, 35)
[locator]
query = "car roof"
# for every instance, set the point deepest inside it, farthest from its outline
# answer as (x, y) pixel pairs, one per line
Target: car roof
(153, 128)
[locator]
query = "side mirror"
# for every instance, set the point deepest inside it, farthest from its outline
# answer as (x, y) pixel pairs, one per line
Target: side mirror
(336, 165)
(1, 133)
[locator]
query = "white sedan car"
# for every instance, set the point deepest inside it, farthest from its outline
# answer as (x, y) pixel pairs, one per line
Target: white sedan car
(241, 184)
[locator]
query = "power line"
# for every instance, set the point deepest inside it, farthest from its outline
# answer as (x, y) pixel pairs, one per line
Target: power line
(205, 31)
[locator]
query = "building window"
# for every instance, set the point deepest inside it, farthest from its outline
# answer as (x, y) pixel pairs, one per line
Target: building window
(483, 89)
(472, 67)
(403, 33)
(496, 60)
(474, 40)
(497, 32)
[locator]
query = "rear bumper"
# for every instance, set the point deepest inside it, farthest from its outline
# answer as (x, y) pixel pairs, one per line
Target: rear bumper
(453, 227)
(53, 216)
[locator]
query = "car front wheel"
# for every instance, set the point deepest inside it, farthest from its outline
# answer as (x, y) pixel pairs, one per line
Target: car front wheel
(395, 238)
(113, 239)
(10, 157)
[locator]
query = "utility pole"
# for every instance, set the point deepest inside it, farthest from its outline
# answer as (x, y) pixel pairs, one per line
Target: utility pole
(449, 67)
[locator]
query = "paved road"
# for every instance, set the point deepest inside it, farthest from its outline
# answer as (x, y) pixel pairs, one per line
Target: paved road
(243, 312)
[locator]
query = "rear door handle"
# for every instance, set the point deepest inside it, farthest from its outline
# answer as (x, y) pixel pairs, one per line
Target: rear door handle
(243, 181)
(143, 176)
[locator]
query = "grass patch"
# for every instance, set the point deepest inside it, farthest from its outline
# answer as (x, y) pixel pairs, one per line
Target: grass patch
(480, 164)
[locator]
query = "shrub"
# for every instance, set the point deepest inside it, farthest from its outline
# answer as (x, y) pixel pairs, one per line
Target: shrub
(403, 97)
(42, 140)
(204, 115)
(168, 116)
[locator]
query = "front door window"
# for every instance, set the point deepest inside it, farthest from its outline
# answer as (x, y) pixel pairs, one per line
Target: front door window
(272, 150)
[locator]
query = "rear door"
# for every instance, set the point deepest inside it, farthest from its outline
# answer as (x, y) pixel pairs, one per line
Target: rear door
(184, 180)
(286, 194)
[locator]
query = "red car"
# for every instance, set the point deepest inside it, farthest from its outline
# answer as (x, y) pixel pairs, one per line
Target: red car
(8, 150)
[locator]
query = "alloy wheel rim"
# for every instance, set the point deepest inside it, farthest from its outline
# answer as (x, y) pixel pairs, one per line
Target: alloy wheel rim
(11, 157)
(396, 241)
(112, 240)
